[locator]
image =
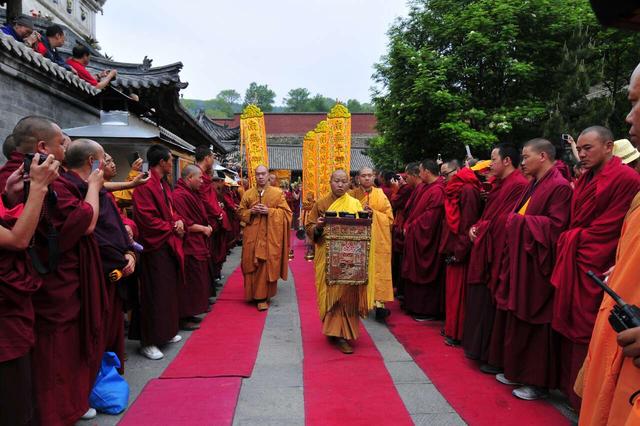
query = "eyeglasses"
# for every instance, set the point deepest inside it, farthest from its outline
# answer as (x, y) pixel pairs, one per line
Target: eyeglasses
(446, 174)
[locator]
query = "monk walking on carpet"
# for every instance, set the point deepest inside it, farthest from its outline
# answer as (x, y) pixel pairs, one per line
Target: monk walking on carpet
(339, 305)
(265, 247)
(374, 201)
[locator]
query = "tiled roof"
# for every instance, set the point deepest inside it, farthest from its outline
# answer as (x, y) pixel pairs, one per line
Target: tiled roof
(289, 157)
(220, 133)
(28, 55)
(171, 137)
(138, 77)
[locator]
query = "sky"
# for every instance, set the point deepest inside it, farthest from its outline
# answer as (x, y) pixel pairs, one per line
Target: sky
(326, 46)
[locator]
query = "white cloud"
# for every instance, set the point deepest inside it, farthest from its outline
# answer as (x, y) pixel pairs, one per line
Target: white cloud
(327, 46)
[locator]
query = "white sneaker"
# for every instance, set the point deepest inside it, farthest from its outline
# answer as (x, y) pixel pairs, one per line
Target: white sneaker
(90, 414)
(502, 379)
(175, 339)
(530, 393)
(152, 352)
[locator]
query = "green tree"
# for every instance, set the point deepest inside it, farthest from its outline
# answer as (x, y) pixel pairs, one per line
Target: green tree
(260, 95)
(320, 103)
(477, 72)
(297, 100)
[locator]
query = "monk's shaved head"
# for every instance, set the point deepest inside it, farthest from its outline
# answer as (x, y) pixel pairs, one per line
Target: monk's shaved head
(339, 173)
(79, 152)
(365, 170)
(262, 176)
(190, 170)
(9, 146)
(540, 145)
(603, 134)
(32, 129)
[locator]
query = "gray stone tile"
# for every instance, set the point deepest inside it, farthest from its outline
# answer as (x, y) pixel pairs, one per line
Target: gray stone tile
(285, 375)
(392, 350)
(273, 402)
(439, 419)
(422, 398)
(406, 372)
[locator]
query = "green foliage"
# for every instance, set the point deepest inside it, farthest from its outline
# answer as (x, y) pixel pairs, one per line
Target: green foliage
(260, 95)
(477, 72)
(297, 100)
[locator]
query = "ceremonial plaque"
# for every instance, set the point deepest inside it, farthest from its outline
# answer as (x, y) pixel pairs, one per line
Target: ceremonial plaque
(348, 242)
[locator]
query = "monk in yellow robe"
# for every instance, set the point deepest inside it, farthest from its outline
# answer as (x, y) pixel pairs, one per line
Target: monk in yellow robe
(608, 378)
(375, 202)
(124, 197)
(265, 247)
(339, 305)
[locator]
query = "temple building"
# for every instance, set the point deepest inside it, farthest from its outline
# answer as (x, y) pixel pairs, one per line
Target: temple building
(141, 107)
(285, 133)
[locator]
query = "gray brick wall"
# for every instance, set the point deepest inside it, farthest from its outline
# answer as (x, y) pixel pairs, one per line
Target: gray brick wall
(19, 99)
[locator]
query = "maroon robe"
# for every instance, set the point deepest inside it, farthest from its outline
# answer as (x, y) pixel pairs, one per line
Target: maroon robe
(16, 159)
(464, 192)
(194, 297)
(525, 292)
(113, 242)
(485, 261)
(18, 282)
(161, 262)
(599, 207)
(230, 207)
(70, 308)
(400, 203)
(218, 220)
(422, 265)
(562, 167)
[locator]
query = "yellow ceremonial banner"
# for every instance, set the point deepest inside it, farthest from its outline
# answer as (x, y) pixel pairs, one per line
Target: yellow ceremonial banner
(253, 138)
(339, 135)
(324, 153)
(310, 166)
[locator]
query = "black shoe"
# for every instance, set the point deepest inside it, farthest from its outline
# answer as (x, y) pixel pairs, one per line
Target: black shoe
(194, 319)
(449, 341)
(382, 314)
(490, 369)
(189, 326)
(422, 318)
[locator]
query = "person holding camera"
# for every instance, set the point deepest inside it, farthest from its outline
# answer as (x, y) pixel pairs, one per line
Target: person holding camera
(81, 56)
(18, 282)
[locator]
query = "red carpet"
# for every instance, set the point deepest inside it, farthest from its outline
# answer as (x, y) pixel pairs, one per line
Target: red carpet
(227, 343)
(185, 402)
(341, 389)
(478, 398)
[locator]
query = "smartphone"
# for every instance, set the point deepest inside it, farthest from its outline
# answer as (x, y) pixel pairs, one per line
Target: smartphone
(136, 156)
(565, 137)
(95, 165)
(145, 169)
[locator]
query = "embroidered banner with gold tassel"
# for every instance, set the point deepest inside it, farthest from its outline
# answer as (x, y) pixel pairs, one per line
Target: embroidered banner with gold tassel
(324, 165)
(339, 135)
(310, 166)
(253, 138)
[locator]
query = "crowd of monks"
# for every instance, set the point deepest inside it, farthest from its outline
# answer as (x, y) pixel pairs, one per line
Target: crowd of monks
(502, 259)
(79, 253)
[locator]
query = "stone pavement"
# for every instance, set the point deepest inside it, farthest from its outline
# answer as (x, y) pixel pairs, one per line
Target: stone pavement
(274, 394)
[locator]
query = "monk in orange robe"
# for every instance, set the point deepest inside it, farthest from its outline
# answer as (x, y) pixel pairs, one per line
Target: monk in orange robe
(376, 202)
(602, 198)
(265, 248)
(462, 209)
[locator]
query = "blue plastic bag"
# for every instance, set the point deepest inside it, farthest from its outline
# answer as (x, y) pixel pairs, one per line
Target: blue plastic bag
(110, 394)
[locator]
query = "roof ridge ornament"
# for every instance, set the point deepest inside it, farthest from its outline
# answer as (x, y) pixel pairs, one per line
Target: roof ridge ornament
(146, 63)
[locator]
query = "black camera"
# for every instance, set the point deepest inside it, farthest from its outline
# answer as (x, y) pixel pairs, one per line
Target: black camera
(622, 316)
